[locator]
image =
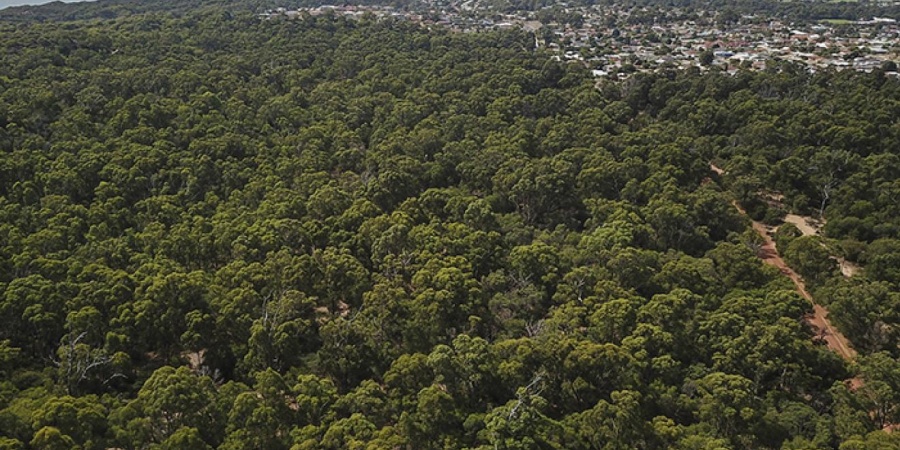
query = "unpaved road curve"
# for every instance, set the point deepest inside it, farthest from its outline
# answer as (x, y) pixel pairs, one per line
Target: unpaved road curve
(833, 338)
(819, 319)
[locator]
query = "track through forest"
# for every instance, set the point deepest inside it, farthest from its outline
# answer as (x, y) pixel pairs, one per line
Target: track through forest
(819, 319)
(833, 338)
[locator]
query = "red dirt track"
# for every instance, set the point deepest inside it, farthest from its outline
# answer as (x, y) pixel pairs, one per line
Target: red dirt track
(818, 320)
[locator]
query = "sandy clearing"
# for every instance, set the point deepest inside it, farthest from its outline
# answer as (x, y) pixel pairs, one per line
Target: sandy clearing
(807, 225)
(848, 269)
(810, 227)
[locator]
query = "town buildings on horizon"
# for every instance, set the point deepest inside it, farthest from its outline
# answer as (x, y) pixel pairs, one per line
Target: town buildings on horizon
(8, 3)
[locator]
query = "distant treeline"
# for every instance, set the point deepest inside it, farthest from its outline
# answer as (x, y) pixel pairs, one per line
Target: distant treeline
(791, 10)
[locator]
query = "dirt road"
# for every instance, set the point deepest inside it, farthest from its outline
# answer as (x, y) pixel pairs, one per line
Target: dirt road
(833, 338)
(819, 319)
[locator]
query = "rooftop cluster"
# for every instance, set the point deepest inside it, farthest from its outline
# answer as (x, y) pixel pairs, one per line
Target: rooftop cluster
(617, 41)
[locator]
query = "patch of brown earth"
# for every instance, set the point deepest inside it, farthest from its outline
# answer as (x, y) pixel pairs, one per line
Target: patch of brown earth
(807, 225)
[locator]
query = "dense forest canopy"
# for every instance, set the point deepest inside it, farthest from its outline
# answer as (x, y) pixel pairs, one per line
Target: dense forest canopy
(218, 231)
(795, 11)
